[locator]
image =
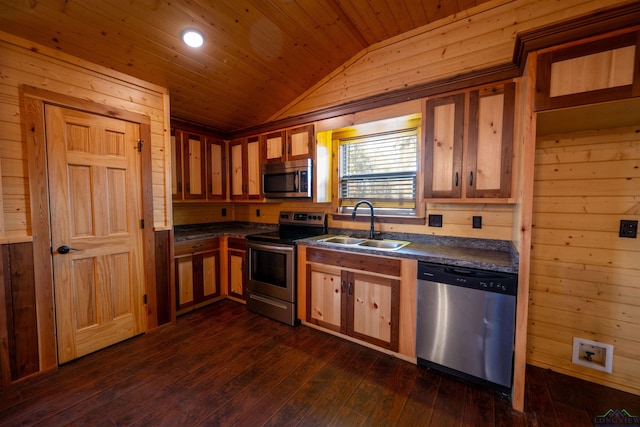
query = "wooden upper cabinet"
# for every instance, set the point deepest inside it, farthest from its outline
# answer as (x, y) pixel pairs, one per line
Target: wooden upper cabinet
(490, 145)
(444, 132)
(244, 161)
(292, 144)
(469, 144)
(216, 169)
(193, 166)
(586, 73)
(198, 166)
(176, 164)
(274, 147)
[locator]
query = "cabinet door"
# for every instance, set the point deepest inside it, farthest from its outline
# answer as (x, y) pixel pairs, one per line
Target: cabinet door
(326, 305)
(444, 133)
(490, 143)
(184, 281)
(274, 147)
(245, 168)
(194, 166)
(300, 143)
(236, 263)
(253, 168)
(237, 169)
(216, 171)
(176, 164)
(210, 262)
(373, 309)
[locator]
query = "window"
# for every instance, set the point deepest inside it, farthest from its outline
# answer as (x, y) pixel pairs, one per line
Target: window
(380, 168)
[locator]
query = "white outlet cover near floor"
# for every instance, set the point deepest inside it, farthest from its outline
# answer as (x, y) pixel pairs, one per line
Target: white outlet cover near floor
(607, 366)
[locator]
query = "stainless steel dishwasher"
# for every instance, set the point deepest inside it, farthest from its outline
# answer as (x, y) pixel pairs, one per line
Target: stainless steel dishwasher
(466, 323)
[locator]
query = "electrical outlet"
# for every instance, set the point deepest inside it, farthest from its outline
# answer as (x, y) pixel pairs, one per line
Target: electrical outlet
(477, 222)
(224, 211)
(257, 212)
(628, 228)
(435, 220)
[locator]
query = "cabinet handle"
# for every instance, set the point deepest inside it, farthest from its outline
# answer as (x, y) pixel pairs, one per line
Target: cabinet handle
(349, 288)
(456, 179)
(342, 286)
(289, 148)
(196, 246)
(471, 179)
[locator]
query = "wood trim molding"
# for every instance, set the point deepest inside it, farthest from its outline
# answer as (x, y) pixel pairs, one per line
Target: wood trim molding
(589, 25)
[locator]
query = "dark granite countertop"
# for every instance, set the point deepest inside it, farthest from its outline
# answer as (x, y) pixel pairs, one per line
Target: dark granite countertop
(485, 254)
(234, 229)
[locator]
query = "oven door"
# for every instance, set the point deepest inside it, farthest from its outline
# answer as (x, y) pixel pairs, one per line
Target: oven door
(271, 270)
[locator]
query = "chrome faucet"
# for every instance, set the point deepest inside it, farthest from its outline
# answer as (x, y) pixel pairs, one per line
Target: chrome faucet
(355, 208)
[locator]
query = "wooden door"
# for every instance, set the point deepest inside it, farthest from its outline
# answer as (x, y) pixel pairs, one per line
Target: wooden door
(95, 199)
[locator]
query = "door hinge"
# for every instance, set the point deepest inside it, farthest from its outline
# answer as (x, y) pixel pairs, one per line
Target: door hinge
(144, 298)
(142, 223)
(140, 142)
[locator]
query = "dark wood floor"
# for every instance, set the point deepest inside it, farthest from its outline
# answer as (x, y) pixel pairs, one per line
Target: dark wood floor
(222, 365)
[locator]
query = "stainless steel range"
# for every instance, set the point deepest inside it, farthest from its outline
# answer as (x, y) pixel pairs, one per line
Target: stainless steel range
(271, 266)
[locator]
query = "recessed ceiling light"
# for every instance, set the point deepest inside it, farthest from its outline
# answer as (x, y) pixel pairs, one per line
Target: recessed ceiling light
(192, 38)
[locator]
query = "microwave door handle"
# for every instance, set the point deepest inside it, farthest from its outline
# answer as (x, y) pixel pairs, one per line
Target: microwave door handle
(296, 178)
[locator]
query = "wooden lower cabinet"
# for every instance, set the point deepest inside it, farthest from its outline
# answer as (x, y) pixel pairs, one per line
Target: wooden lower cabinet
(197, 270)
(362, 304)
(236, 262)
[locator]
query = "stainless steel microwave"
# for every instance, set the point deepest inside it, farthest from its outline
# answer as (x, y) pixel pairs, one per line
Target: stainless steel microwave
(287, 179)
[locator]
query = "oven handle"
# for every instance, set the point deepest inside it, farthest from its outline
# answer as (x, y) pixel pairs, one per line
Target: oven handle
(269, 247)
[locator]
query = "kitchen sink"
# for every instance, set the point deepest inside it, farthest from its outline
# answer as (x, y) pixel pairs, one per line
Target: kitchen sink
(343, 240)
(389, 245)
(384, 244)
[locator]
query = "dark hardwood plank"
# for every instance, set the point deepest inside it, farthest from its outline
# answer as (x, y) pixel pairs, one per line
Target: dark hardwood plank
(449, 404)
(224, 366)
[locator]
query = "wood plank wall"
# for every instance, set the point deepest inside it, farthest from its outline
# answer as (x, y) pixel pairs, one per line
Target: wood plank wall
(482, 37)
(25, 63)
(26, 332)
(585, 280)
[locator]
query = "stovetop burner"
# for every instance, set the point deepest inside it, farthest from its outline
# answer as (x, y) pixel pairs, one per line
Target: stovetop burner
(294, 226)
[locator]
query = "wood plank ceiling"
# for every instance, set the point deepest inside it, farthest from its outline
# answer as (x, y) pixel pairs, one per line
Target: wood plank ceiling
(259, 55)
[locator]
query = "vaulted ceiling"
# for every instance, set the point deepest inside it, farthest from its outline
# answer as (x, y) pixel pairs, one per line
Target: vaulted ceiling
(259, 55)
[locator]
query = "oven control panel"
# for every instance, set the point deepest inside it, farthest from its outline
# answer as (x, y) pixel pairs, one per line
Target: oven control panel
(303, 218)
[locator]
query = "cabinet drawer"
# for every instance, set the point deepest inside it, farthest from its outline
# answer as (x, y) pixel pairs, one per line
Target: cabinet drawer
(192, 246)
(370, 263)
(238, 243)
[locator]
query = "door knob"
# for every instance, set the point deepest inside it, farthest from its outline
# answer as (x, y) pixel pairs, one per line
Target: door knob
(64, 249)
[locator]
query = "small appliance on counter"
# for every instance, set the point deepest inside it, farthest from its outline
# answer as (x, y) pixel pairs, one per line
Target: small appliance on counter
(271, 264)
(466, 323)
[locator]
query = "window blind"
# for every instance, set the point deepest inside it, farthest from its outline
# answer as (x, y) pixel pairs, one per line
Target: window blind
(380, 168)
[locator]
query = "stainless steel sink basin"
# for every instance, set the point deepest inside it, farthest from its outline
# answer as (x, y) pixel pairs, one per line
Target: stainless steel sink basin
(388, 245)
(384, 244)
(343, 240)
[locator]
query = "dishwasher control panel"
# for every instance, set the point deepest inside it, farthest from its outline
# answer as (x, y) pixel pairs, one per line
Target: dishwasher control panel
(490, 281)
